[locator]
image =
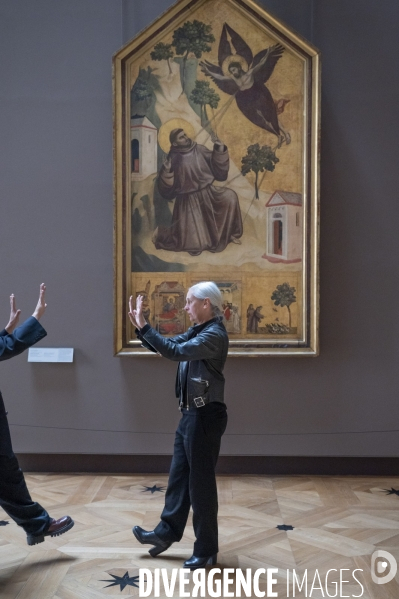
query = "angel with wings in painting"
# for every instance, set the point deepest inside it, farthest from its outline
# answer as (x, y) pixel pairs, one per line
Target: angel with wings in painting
(243, 76)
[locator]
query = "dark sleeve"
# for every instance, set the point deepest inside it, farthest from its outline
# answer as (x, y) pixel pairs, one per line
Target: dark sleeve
(144, 343)
(24, 336)
(205, 345)
(140, 335)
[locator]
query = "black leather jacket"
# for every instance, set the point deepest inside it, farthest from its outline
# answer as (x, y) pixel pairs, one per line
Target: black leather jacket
(201, 353)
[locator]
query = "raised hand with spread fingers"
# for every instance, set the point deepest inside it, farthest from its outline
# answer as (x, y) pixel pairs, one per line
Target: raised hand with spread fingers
(136, 314)
(41, 304)
(14, 315)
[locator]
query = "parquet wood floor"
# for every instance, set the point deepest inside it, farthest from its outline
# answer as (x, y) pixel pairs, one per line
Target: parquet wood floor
(338, 522)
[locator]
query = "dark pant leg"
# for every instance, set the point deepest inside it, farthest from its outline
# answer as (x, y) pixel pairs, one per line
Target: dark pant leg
(177, 498)
(208, 428)
(14, 495)
(16, 500)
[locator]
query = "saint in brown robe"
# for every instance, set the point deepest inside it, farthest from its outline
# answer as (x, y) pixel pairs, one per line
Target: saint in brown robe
(204, 217)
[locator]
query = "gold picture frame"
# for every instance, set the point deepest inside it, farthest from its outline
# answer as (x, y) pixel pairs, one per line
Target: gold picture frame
(216, 175)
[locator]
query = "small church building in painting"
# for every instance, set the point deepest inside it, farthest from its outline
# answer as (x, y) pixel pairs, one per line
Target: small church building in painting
(284, 227)
(143, 147)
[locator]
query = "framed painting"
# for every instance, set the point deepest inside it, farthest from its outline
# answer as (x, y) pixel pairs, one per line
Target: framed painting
(216, 133)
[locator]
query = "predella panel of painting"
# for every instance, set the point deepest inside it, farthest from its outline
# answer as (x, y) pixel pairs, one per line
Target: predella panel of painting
(216, 127)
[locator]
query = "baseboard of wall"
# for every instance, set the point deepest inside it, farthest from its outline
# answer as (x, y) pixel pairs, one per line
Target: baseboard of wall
(267, 465)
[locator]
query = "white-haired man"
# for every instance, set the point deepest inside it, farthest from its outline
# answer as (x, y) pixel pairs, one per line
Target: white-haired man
(201, 353)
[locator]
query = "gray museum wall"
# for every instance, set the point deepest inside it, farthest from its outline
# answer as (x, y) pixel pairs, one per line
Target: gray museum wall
(57, 226)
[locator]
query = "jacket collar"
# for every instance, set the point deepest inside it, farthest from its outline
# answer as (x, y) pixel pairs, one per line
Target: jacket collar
(197, 328)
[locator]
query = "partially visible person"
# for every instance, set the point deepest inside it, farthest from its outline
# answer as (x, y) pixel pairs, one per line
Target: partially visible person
(14, 495)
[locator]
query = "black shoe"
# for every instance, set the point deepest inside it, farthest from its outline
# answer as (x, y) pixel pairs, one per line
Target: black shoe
(148, 537)
(200, 562)
(56, 528)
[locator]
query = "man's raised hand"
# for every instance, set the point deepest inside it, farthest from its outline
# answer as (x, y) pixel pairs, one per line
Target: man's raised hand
(136, 313)
(41, 304)
(131, 313)
(215, 139)
(167, 162)
(14, 315)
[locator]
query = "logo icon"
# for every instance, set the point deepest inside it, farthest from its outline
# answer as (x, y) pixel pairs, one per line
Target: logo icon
(379, 567)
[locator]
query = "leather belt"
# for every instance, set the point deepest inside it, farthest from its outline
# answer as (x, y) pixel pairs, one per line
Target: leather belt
(196, 402)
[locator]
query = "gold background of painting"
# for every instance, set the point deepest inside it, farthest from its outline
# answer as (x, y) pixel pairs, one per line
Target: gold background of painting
(289, 81)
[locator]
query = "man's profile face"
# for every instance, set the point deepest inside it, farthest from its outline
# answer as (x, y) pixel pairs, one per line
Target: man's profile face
(198, 310)
(182, 140)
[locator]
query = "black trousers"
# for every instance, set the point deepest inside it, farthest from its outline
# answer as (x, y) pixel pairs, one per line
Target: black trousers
(192, 480)
(14, 495)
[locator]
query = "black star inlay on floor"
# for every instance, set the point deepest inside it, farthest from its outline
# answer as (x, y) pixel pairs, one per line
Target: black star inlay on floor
(4, 523)
(122, 581)
(285, 527)
(153, 489)
(392, 491)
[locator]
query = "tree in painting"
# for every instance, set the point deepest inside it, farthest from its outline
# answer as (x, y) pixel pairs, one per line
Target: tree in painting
(163, 52)
(204, 95)
(193, 37)
(257, 160)
(142, 90)
(284, 295)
